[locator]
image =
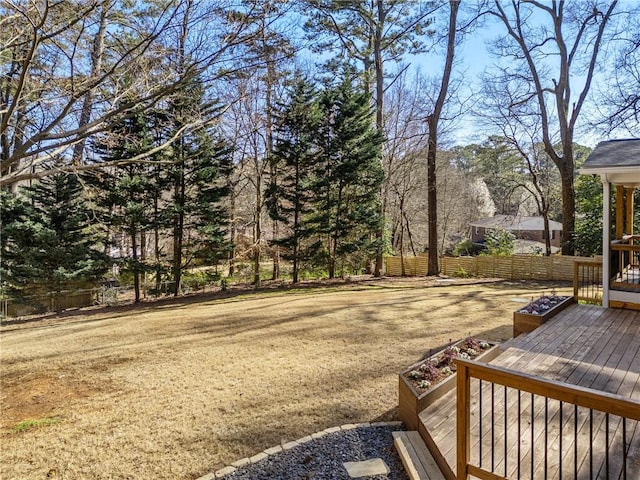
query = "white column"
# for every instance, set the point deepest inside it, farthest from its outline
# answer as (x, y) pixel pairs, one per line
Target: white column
(606, 240)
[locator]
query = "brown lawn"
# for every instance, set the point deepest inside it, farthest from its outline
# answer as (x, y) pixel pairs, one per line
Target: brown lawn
(179, 389)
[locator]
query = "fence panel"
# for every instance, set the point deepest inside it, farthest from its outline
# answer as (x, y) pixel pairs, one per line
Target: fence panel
(516, 267)
(413, 266)
(49, 303)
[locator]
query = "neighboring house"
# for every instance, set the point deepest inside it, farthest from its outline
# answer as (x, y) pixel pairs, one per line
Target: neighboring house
(528, 229)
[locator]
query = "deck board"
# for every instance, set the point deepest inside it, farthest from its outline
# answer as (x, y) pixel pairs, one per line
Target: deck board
(584, 345)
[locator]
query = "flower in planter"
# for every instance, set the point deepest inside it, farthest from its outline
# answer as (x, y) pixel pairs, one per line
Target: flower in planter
(542, 304)
(470, 343)
(424, 384)
(442, 365)
(449, 355)
(429, 371)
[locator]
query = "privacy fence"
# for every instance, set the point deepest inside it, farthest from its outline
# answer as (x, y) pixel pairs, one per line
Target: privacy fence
(104, 295)
(515, 267)
(51, 302)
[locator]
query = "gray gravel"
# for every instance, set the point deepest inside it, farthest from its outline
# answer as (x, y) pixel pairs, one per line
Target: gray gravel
(323, 458)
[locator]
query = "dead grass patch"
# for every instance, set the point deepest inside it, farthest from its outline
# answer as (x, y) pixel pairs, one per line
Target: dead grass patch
(178, 389)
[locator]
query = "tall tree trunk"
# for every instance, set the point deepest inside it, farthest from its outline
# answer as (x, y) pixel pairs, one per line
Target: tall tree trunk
(433, 120)
(156, 239)
(432, 198)
(272, 167)
(568, 210)
(136, 271)
(379, 66)
(257, 234)
(178, 228)
(233, 233)
(179, 192)
(143, 258)
(547, 233)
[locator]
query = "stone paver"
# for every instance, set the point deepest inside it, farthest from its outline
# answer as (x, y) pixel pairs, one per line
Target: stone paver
(225, 471)
(289, 445)
(272, 450)
(241, 463)
(332, 429)
(258, 457)
(366, 468)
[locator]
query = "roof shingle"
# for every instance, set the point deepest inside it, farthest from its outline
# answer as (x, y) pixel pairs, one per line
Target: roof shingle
(615, 153)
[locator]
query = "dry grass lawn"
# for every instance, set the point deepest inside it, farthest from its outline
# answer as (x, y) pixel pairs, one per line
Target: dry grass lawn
(179, 389)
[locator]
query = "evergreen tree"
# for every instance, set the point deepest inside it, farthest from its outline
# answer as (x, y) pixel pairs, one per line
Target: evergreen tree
(290, 200)
(348, 177)
(199, 165)
(47, 243)
(124, 194)
(208, 213)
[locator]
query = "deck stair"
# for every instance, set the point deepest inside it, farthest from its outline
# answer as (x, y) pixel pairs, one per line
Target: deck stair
(418, 462)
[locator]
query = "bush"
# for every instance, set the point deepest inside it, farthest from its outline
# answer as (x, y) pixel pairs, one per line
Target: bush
(199, 279)
(465, 247)
(500, 242)
(462, 273)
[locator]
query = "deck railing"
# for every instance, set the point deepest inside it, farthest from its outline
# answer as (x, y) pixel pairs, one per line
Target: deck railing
(587, 282)
(532, 428)
(626, 265)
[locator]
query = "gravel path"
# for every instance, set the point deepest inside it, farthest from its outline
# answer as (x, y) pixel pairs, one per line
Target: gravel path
(323, 457)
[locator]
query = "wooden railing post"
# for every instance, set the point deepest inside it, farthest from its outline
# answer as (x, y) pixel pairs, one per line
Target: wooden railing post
(463, 421)
(576, 268)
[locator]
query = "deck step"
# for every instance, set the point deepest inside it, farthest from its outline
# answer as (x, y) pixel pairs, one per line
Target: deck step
(416, 458)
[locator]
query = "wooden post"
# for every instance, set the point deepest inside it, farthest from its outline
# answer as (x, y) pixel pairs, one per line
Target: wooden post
(463, 421)
(576, 268)
(606, 240)
(629, 222)
(619, 211)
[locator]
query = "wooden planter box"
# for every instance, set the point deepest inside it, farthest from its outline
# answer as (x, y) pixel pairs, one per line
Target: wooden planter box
(528, 322)
(412, 402)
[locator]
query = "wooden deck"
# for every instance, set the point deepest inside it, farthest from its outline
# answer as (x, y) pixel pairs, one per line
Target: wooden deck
(588, 346)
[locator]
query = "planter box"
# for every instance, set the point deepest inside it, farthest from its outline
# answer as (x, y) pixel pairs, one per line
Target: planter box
(412, 402)
(528, 322)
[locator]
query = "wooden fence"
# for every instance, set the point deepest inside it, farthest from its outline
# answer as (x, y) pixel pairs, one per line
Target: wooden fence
(413, 266)
(515, 267)
(49, 303)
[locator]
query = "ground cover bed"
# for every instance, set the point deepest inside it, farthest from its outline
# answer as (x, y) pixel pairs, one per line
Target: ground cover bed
(179, 389)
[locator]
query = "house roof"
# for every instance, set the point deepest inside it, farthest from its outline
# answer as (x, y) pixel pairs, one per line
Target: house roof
(516, 223)
(616, 161)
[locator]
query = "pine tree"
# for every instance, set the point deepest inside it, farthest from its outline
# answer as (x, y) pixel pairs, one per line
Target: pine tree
(348, 177)
(208, 212)
(200, 162)
(48, 245)
(290, 200)
(125, 194)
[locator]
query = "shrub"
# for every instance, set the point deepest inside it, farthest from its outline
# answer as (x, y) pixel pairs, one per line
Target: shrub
(500, 242)
(465, 247)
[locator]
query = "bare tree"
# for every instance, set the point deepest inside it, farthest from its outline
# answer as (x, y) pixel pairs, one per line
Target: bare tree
(266, 60)
(619, 94)
(59, 86)
(542, 61)
(433, 120)
(521, 136)
(405, 133)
